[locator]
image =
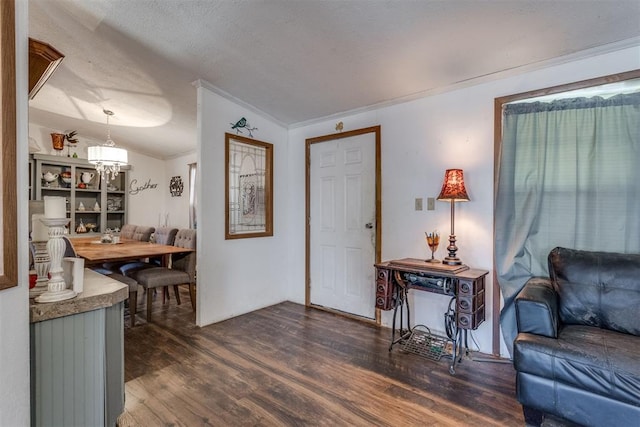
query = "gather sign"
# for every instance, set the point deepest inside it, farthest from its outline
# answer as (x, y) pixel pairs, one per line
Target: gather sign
(134, 188)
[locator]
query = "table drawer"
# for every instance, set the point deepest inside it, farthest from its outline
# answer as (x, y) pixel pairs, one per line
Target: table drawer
(384, 290)
(470, 303)
(470, 286)
(470, 320)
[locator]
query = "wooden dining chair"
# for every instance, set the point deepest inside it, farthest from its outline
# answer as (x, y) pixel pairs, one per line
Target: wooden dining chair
(182, 272)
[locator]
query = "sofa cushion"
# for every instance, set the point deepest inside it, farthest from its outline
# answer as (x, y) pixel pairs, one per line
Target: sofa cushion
(601, 361)
(597, 288)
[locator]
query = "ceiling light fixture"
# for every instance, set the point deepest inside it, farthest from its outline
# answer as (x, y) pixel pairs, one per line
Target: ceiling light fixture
(107, 158)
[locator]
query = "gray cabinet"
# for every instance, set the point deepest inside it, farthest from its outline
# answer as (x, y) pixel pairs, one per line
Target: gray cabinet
(78, 369)
(90, 200)
(77, 356)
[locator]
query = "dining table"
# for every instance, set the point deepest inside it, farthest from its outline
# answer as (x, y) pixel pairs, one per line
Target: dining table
(94, 251)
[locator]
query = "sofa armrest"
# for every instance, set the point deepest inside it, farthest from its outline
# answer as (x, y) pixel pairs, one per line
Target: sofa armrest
(537, 308)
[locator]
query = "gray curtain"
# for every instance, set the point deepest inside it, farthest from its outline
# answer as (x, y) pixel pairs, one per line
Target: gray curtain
(568, 175)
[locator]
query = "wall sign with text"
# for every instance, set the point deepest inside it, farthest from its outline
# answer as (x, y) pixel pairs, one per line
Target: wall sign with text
(136, 188)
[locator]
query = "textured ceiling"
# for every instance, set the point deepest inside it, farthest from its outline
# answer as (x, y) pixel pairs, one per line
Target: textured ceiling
(295, 60)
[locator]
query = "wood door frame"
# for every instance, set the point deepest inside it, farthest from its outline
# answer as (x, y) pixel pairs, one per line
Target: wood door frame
(8, 143)
(378, 206)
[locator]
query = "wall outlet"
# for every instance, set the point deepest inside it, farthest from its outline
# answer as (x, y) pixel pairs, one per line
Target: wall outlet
(431, 203)
(419, 204)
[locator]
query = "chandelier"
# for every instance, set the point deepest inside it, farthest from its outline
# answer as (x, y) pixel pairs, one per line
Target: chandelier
(107, 158)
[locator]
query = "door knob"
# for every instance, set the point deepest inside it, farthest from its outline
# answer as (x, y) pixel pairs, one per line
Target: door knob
(369, 225)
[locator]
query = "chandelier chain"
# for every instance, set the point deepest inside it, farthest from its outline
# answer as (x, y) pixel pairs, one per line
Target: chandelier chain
(106, 157)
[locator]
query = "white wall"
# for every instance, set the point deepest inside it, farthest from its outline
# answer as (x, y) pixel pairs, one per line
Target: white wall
(242, 275)
(177, 208)
(146, 206)
(40, 142)
(14, 302)
(420, 139)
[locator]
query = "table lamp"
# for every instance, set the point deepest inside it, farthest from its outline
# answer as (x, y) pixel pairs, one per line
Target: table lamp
(453, 190)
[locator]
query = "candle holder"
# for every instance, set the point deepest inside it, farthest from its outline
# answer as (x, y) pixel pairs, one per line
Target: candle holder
(433, 240)
(56, 286)
(42, 263)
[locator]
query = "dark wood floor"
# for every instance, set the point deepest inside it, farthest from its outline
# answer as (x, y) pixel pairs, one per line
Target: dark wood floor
(288, 365)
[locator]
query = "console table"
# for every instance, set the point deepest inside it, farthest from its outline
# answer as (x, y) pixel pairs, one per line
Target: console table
(465, 285)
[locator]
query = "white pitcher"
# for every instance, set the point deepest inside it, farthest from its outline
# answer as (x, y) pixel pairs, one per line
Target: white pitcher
(86, 177)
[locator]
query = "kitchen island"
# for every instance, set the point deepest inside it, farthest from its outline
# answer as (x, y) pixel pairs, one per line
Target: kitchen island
(77, 356)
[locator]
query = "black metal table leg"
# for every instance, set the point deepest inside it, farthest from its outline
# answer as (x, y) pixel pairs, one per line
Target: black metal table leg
(455, 351)
(402, 302)
(461, 342)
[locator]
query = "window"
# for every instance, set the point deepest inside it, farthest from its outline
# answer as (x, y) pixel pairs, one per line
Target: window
(566, 175)
(193, 200)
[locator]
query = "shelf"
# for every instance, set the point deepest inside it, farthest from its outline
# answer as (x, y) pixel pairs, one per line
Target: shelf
(55, 189)
(79, 171)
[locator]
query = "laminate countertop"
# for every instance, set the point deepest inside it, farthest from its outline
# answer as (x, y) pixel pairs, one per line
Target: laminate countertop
(99, 291)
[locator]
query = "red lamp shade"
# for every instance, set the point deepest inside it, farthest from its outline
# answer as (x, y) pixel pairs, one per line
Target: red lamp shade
(453, 186)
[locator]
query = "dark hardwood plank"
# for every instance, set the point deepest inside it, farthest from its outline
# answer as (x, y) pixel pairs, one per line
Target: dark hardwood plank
(288, 365)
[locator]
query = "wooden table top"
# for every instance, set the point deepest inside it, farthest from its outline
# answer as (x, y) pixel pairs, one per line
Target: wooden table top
(93, 251)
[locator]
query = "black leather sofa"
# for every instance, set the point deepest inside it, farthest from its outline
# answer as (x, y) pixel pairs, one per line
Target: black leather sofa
(577, 353)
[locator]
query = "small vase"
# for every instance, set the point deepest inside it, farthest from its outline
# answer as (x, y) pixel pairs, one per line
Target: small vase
(57, 141)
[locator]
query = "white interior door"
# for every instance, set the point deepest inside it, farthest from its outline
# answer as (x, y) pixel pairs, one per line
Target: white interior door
(342, 224)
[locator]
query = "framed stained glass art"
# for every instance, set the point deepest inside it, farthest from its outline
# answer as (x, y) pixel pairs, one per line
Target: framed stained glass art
(248, 187)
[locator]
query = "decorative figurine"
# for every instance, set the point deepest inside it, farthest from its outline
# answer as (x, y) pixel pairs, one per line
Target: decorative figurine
(242, 123)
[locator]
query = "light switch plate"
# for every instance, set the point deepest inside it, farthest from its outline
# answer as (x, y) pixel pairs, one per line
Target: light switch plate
(431, 203)
(419, 204)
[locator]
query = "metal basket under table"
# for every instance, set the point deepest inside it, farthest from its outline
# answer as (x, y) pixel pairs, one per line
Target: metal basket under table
(427, 344)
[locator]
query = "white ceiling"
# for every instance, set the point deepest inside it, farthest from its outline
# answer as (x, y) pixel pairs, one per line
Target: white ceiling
(295, 60)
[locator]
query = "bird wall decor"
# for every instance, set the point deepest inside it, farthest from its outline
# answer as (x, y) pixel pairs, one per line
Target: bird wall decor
(243, 124)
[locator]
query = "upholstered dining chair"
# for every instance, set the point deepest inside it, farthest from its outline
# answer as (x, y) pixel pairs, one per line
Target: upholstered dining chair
(69, 250)
(133, 294)
(127, 230)
(141, 233)
(165, 235)
(182, 272)
(162, 236)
